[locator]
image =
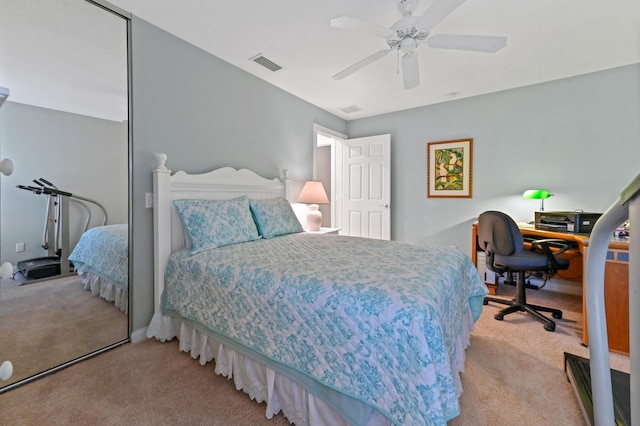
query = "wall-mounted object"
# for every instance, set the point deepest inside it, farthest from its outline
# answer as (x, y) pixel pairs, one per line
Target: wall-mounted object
(4, 94)
(6, 167)
(449, 169)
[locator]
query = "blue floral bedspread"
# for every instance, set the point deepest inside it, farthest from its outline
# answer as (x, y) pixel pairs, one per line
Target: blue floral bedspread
(375, 320)
(104, 251)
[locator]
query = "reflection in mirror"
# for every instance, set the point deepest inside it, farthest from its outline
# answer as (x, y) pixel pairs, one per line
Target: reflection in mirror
(64, 210)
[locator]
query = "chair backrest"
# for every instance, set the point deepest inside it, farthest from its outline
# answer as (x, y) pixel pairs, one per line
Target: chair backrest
(499, 234)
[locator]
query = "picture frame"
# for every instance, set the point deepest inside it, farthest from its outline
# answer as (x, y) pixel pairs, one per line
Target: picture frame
(449, 168)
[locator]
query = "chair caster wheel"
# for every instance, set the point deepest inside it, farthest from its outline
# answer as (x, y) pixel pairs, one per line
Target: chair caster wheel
(499, 317)
(550, 327)
(557, 316)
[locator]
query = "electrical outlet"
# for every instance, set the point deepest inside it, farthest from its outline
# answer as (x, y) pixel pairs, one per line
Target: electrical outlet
(148, 202)
(19, 247)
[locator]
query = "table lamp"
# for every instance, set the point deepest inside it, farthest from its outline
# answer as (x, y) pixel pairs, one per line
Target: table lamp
(537, 194)
(313, 193)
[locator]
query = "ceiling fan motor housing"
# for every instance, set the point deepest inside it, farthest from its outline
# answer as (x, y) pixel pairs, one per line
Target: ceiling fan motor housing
(406, 28)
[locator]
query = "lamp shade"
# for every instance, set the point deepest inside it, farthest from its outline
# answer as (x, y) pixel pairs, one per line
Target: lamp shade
(537, 194)
(313, 193)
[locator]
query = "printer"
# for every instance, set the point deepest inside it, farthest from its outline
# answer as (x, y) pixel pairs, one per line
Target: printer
(578, 222)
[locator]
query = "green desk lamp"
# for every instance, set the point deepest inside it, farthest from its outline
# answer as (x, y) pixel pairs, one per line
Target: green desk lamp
(537, 194)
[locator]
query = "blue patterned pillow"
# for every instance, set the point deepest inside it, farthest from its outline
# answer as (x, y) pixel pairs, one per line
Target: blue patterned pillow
(215, 223)
(274, 217)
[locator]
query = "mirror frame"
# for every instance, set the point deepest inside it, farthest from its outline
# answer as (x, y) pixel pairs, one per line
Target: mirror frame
(108, 7)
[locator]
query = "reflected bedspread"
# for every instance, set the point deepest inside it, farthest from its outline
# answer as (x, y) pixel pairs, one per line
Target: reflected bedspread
(104, 251)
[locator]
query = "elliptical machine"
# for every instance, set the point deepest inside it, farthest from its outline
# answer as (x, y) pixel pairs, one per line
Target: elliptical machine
(55, 237)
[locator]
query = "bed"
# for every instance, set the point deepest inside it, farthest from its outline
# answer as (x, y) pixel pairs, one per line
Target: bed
(101, 259)
(295, 318)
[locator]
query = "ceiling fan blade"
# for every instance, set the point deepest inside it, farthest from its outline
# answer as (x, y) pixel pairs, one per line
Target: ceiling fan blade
(410, 70)
(361, 64)
(476, 43)
(346, 23)
(439, 10)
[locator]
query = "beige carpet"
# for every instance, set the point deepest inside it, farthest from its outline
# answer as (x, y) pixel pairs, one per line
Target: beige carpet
(51, 322)
(514, 375)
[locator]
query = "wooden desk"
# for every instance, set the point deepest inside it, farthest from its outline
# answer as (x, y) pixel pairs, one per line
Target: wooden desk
(616, 285)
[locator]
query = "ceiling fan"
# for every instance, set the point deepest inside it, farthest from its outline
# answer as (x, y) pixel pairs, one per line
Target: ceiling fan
(407, 34)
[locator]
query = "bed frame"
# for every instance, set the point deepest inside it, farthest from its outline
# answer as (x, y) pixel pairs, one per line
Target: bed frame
(264, 382)
(223, 183)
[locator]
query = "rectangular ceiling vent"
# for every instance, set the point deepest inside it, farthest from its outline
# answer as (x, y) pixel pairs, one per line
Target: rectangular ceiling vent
(351, 109)
(267, 63)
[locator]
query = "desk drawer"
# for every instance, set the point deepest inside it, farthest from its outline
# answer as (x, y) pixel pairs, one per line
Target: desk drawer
(616, 301)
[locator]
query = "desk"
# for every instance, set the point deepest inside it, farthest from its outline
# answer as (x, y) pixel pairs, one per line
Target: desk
(616, 280)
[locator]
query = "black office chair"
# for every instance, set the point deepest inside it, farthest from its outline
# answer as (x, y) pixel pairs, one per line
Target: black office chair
(500, 238)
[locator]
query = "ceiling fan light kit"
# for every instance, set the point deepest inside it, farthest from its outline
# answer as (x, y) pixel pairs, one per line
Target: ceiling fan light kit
(408, 33)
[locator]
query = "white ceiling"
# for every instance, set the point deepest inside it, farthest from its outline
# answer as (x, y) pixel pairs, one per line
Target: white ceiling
(66, 55)
(547, 40)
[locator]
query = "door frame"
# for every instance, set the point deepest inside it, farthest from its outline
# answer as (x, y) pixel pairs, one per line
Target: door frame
(336, 141)
(332, 137)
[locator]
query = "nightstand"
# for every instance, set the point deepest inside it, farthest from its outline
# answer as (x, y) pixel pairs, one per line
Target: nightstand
(325, 231)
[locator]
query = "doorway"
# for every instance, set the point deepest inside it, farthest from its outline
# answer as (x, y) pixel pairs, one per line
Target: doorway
(356, 174)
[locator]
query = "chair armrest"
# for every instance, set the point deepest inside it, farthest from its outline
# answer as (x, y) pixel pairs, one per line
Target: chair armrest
(489, 261)
(546, 244)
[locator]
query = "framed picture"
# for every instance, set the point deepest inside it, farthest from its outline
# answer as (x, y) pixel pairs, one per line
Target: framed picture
(449, 168)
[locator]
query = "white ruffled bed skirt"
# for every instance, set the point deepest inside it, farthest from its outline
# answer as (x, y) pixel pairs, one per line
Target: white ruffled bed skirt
(262, 383)
(106, 290)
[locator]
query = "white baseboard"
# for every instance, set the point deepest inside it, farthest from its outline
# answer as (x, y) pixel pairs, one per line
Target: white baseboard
(139, 335)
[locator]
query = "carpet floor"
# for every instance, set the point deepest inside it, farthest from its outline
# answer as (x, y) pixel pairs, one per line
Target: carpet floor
(514, 374)
(51, 322)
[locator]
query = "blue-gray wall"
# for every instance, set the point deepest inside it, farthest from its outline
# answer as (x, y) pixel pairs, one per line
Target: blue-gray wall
(205, 113)
(579, 138)
(86, 156)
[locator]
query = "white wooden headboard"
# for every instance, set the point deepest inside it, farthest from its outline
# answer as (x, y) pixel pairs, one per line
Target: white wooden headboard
(220, 184)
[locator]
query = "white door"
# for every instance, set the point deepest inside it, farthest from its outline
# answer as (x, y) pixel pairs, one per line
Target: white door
(366, 187)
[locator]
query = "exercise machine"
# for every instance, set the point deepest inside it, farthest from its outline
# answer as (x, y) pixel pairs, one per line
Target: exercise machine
(55, 237)
(609, 397)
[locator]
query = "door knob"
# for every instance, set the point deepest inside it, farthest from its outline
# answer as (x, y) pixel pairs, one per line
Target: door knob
(386, 206)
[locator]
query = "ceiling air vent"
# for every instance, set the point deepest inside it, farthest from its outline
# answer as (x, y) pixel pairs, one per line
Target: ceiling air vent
(350, 109)
(267, 63)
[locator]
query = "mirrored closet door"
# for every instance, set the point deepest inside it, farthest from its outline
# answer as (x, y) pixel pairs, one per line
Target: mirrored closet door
(64, 210)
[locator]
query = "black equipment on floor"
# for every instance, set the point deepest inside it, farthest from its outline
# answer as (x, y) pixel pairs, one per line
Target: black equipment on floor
(40, 267)
(579, 373)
